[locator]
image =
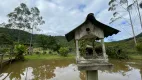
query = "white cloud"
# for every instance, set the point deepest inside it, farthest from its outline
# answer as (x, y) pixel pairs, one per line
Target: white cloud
(61, 16)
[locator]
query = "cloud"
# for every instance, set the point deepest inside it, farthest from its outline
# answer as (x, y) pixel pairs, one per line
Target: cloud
(61, 16)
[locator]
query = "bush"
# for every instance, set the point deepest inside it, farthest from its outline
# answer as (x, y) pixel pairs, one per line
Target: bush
(139, 47)
(116, 53)
(63, 51)
(37, 53)
(20, 50)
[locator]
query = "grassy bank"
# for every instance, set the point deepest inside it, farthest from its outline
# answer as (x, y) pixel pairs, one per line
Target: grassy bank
(70, 56)
(136, 56)
(49, 56)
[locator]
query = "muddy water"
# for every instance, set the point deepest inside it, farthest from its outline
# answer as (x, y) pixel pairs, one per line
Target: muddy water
(67, 70)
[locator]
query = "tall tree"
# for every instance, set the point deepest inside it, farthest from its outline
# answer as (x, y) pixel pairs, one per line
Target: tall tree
(19, 18)
(139, 13)
(47, 42)
(35, 21)
(115, 6)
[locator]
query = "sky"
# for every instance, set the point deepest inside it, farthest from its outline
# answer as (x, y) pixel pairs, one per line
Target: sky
(61, 16)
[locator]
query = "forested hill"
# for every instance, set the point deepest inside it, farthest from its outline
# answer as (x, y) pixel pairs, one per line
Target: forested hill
(25, 36)
(13, 34)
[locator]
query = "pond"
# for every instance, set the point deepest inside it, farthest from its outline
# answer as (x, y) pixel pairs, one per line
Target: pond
(67, 70)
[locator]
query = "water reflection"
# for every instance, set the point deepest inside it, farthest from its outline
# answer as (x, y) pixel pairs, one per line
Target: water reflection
(67, 70)
(68, 73)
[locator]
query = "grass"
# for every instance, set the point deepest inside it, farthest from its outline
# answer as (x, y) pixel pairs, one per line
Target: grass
(49, 56)
(136, 56)
(70, 56)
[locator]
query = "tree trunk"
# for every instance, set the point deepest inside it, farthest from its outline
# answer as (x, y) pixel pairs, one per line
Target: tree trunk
(19, 35)
(31, 40)
(139, 13)
(132, 26)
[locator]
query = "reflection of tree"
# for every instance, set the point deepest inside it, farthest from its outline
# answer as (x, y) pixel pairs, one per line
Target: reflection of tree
(42, 69)
(122, 66)
(45, 69)
(119, 66)
(14, 70)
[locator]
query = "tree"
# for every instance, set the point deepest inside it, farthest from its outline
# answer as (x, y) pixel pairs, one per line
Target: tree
(42, 41)
(35, 20)
(22, 17)
(19, 18)
(20, 50)
(115, 6)
(139, 13)
(47, 42)
(5, 39)
(64, 51)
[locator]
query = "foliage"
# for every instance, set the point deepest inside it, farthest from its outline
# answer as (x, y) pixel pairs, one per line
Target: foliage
(24, 18)
(5, 39)
(126, 44)
(5, 43)
(63, 51)
(35, 20)
(42, 41)
(3, 50)
(20, 50)
(52, 43)
(25, 38)
(83, 44)
(125, 6)
(82, 49)
(116, 52)
(139, 47)
(116, 5)
(47, 42)
(50, 57)
(19, 18)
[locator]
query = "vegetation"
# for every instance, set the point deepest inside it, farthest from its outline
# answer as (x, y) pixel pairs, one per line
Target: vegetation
(120, 7)
(47, 42)
(20, 50)
(63, 51)
(24, 18)
(126, 45)
(139, 48)
(49, 56)
(116, 52)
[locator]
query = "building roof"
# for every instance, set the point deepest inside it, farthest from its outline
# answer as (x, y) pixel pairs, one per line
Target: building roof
(108, 31)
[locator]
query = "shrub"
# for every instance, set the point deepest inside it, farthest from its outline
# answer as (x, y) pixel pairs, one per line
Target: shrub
(116, 53)
(63, 51)
(37, 53)
(20, 50)
(139, 47)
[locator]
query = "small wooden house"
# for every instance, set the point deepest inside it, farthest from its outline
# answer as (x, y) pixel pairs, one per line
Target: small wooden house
(95, 30)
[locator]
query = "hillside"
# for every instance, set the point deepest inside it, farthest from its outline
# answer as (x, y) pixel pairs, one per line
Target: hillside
(25, 37)
(127, 44)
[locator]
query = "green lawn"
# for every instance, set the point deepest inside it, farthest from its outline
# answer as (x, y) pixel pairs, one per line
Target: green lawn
(136, 56)
(49, 56)
(70, 56)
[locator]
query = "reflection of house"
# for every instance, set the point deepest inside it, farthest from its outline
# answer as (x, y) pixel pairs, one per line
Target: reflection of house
(94, 30)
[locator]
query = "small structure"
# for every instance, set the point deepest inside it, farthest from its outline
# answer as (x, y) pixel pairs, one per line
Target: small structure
(93, 59)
